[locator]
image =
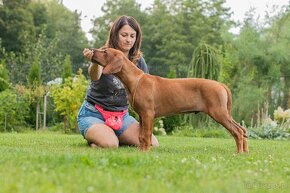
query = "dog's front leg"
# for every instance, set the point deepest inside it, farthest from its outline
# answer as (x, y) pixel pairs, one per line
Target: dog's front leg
(145, 135)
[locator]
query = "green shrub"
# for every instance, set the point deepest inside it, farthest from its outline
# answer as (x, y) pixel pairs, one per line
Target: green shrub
(4, 76)
(269, 132)
(171, 122)
(14, 110)
(279, 128)
(68, 98)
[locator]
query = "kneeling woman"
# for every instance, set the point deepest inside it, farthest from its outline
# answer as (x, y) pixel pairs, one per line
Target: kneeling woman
(103, 118)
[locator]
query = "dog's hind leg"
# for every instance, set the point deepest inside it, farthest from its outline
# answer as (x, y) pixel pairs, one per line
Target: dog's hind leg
(245, 139)
(221, 116)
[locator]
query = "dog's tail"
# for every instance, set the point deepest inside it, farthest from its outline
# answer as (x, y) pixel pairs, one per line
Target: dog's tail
(230, 100)
(229, 107)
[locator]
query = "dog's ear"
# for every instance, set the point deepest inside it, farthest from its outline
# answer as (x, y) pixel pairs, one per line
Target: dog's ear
(114, 66)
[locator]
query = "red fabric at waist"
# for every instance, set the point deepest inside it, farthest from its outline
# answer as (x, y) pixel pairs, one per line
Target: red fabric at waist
(112, 119)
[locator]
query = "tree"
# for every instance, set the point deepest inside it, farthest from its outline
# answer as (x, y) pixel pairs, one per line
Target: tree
(255, 69)
(37, 90)
(65, 26)
(45, 28)
(175, 28)
(205, 63)
(279, 39)
(156, 32)
(34, 76)
(67, 72)
(16, 29)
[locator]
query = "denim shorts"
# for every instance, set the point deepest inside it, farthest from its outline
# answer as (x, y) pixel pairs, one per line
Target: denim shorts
(89, 115)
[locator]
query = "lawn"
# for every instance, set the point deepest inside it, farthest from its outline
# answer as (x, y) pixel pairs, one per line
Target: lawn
(41, 162)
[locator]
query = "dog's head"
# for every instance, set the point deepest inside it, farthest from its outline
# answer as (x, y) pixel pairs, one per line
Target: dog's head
(111, 59)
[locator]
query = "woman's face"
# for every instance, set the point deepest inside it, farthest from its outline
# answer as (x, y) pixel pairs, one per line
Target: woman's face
(127, 38)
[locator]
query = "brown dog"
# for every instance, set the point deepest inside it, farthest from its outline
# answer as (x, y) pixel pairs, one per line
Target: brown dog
(153, 96)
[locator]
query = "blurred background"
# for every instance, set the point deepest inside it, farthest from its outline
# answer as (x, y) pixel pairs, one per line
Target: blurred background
(43, 74)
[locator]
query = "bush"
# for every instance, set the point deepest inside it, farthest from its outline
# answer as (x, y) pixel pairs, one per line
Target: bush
(158, 128)
(14, 110)
(68, 98)
(279, 128)
(171, 122)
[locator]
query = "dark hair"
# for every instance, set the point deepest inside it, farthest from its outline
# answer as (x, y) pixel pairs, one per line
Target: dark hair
(112, 42)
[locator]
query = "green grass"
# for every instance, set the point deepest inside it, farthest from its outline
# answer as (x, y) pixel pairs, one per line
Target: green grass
(48, 162)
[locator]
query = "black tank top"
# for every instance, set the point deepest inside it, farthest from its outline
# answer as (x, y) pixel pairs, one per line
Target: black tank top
(109, 92)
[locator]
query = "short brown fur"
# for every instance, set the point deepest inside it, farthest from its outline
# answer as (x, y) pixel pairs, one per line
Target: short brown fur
(154, 96)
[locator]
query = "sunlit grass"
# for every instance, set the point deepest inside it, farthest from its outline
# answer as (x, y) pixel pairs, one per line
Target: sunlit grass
(49, 162)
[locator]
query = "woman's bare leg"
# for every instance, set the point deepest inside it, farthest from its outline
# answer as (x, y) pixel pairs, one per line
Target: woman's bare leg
(100, 135)
(131, 136)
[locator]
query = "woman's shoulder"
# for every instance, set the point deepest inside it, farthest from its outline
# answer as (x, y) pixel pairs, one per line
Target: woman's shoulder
(142, 64)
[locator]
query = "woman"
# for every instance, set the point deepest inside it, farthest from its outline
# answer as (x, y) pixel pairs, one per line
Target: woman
(106, 94)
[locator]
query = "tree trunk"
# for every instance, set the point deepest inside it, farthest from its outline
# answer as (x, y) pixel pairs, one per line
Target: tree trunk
(37, 113)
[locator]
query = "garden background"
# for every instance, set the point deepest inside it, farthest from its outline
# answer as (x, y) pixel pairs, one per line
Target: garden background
(43, 81)
(43, 75)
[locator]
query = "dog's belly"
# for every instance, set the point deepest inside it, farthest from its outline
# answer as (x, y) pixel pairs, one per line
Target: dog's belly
(174, 96)
(171, 105)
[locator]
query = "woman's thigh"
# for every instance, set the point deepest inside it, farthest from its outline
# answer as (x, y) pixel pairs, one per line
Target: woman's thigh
(92, 127)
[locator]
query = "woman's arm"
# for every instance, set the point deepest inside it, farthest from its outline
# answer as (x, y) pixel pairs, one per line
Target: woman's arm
(94, 70)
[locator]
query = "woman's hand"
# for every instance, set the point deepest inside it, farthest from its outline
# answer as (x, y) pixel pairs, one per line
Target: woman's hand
(94, 70)
(88, 54)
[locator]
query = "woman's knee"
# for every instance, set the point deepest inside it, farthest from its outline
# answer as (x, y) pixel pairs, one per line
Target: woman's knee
(102, 136)
(109, 144)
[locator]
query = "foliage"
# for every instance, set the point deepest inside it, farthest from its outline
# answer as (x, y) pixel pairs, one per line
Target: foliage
(68, 98)
(45, 32)
(34, 76)
(188, 131)
(67, 72)
(4, 76)
(279, 128)
(33, 93)
(158, 128)
(16, 29)
(44, 29)
(65, 25)
(205, 62)
(171, 29)
(172, 122)
(14, 110)
(282, 116)
(255, 96)
(269, 132)
(256, 72)
(53, 162)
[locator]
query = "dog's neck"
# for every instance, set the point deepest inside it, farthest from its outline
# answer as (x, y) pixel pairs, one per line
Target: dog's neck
(129, 75)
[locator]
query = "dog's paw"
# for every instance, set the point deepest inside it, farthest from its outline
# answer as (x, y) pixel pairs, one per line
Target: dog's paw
(144, 148)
